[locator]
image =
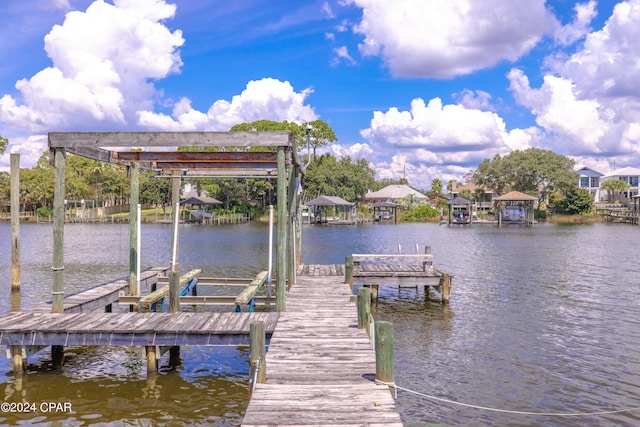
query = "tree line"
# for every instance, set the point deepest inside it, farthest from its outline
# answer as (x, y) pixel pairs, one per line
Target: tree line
(542, 173)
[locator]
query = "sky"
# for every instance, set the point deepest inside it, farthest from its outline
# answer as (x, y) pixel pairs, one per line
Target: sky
(421, 89)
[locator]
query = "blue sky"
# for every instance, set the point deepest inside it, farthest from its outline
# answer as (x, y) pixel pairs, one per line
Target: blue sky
(420, 88)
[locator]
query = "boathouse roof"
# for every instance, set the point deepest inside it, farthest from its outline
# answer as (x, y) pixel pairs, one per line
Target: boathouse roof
(201, 200)
(458, 200)
(394, 192)
(328, 201)
(515, 196)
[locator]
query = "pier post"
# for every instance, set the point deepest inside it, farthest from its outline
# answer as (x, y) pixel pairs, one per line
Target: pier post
(57, 355)
(445, 287)
(384, 352)
(152, 359)
(19, 362)
(134, 172)
(257, 353)
(298, 227)
(364, 307)
(174, 275)
(15, 222)
(348, 271)
(281, 244)
(291, 227)
(57, 294)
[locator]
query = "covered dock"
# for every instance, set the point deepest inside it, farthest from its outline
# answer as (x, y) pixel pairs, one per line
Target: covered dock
(320, 206)
(515, 207)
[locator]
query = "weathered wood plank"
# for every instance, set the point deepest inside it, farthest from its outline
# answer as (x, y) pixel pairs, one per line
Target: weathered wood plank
(169, 139)
(318, 362)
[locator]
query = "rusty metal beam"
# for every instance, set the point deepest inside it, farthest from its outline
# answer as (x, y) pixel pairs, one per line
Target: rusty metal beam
(198, 157)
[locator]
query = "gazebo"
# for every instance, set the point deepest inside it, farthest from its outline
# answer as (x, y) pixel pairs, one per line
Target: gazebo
(203, 203)
(459, 211)
(515, 208)
(379, 209)
(321, 204)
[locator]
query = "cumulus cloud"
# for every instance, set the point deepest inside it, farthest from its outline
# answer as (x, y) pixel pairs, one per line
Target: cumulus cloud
(475, 99)
(103, 59)
(590, 102)
(447, 136)
(432, 38)
(268, 99)
(584, 14)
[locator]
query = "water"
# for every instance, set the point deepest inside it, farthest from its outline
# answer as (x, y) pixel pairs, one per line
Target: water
(542, 319)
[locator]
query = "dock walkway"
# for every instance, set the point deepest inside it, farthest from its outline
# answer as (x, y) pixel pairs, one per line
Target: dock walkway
(98, 297)
(320, 367)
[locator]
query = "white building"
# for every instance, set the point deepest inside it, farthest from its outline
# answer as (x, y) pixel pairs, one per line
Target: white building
(629, 175)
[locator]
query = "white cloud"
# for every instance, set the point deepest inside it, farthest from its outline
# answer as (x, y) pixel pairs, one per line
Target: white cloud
(102, 59)
(268, 99)
(342, 53)
(590, 103)
(432, 38)
(30, 149)
(441, 138)
(585, 12)
(355, 151)
(478, 99)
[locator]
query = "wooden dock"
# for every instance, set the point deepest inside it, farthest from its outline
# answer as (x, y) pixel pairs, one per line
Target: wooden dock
(399, 270)
(320, 369)
(100, 297)
(134, 329)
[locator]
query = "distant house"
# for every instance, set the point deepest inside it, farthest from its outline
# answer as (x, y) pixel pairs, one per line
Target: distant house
(481, 195)
(589, 180)
(629, 175)
(394, 193)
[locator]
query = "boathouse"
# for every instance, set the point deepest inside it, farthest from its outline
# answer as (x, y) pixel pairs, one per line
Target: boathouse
(515, 207)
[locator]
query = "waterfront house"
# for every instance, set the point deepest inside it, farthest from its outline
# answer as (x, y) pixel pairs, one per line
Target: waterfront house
(589, 179)
(631, 176)
(481, 195)
(395, 194)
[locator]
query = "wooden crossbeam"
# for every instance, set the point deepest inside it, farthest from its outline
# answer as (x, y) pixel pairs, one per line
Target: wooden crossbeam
(250, 291)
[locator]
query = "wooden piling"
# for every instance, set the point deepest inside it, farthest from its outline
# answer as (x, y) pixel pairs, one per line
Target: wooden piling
(384, 352)
(364, 307)
(174, 275)
(445, 287)
(291, 228)
(15, 222)
(152, 359)
(257, 352)
(134, 172)
(57, 355)
(281, 243)
(19, 362)
(348, 271)
(57, 297)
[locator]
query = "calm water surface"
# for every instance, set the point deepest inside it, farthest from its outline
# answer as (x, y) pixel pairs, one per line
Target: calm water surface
(542, 319)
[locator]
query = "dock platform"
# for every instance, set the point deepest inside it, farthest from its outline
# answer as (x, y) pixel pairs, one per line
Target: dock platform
(320, 368)
(101, 296)
(134, 329)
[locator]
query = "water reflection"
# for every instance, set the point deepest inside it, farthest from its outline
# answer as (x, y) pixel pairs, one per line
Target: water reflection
(541, 319)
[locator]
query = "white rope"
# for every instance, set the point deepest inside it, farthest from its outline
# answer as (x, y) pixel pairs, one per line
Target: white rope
(506, 411)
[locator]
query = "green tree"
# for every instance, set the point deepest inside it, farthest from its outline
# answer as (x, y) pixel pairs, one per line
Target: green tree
(436, 187)
(577, 201)
(155, 191)
(534, 171)
(344, 178)
(614, 186)
(4, 143)
(320, 135)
